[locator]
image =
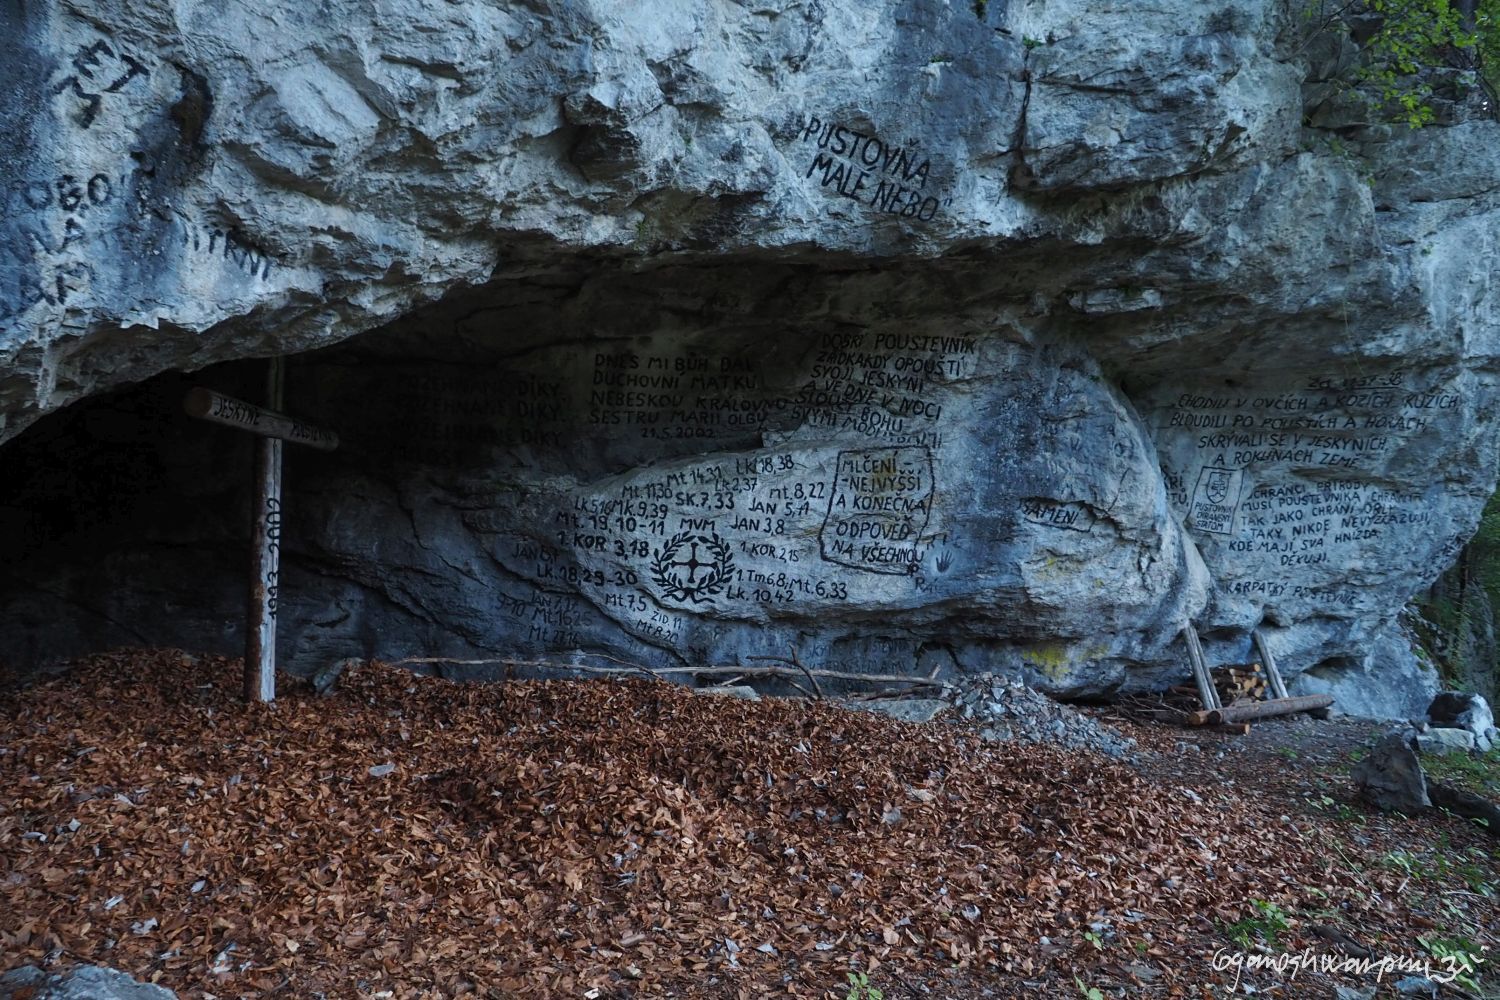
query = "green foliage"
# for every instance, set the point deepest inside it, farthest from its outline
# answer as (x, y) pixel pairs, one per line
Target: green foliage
(1340, 811)
(1404, 41)
(1441, 627)
(1476, 773)
(1088, 992)
(1485, 544)
(860, 988)
(1414, 34)
(1268, 925)
(1458, 955)
(1462, 605)
(1405, 862)
(1446, 863)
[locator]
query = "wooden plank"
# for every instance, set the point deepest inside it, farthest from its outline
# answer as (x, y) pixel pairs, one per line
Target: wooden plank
(1206, 693)
(218, 408)
(265, 556)
(1234, 728)
(1278, 686)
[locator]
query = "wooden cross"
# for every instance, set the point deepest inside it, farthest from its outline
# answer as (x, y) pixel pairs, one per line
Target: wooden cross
(265, 517)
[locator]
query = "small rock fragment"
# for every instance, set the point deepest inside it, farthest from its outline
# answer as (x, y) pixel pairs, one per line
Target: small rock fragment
(742, 691)
(327, 678)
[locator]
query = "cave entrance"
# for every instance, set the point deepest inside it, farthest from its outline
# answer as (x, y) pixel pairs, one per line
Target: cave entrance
(691, 466)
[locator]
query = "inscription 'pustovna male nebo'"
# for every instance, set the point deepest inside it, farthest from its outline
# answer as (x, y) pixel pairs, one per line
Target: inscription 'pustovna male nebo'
(848, 158)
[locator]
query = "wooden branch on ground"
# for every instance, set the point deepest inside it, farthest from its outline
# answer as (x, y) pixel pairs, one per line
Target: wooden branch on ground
(796, 663)
(510, 663)
(785, 673)
(1233, 728)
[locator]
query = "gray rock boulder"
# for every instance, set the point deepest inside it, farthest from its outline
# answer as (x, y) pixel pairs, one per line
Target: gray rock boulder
(1439, 740)
(897, 334)
(1465, 711)
(85, 982)
(1390, 776)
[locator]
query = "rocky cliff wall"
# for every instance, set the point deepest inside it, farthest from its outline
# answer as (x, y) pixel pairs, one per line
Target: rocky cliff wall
(901, 336)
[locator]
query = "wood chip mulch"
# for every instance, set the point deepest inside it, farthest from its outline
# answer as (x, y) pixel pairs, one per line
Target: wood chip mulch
(415, 837)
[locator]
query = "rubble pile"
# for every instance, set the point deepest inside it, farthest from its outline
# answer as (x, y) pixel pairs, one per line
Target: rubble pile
(1008, 709)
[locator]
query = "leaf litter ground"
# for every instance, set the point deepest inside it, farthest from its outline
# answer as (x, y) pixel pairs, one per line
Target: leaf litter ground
(416, 837)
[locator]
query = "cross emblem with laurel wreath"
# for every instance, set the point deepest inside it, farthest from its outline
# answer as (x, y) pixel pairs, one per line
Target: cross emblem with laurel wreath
(668, 566)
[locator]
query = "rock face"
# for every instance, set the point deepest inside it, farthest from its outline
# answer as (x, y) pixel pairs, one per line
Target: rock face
(901, 336)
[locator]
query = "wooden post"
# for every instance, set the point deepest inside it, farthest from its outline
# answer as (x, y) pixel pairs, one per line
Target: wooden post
(265, 510)
(265, 554)
(1206, 693)
(1278, 686)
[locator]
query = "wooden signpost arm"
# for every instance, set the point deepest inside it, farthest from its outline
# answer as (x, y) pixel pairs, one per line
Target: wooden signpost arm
(215, 407)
